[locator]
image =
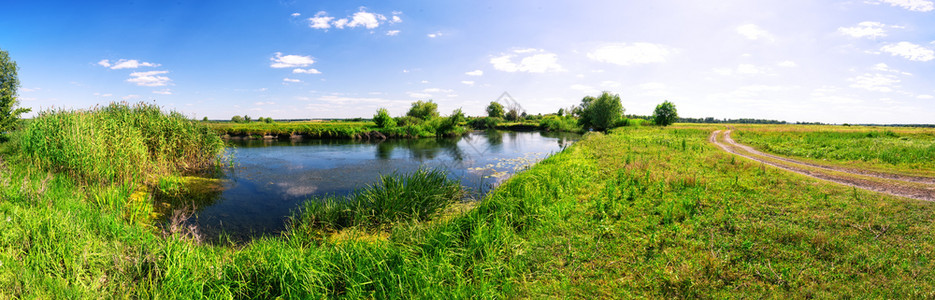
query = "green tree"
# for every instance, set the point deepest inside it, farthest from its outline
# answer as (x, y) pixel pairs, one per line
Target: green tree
(205, 119)
(423, 110)
(665, 114)
(600, 113)
(237, 119)
(9, 114)
(495, 110)
(383, 119)
(246, 119)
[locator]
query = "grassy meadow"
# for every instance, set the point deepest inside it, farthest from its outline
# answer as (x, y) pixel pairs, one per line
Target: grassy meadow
(909, 151)
(641, 211)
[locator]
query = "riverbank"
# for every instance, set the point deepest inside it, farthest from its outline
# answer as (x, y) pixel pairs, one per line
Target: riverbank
(639, 212)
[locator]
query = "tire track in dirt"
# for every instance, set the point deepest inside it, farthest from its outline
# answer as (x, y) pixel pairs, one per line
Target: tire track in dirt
(844, 176)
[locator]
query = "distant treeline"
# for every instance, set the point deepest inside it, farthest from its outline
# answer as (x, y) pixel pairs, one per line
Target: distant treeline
(732, 121)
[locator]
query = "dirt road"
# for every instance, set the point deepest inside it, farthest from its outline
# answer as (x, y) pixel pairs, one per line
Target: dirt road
(921, 188)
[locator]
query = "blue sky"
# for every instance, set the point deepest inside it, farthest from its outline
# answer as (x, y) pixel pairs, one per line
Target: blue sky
(857, 61)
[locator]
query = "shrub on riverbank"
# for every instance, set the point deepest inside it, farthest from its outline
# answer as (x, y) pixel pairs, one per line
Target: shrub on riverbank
(397, 197)
(119, 143)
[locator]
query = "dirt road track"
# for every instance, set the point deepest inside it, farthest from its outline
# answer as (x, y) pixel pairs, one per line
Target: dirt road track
(920, 188)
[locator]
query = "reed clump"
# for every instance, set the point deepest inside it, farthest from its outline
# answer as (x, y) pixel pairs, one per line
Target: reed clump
(415, 196)
(119, 143)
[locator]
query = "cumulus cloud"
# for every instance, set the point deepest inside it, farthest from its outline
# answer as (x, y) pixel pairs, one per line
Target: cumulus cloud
(871, 30)
(305, 71)
(885, 68)
(291, 80)
(913, 5)
(475, 73)
(125, 64)
(537, 61)
(392, 32)
(468, 82)
(321, 20)
(909, 51)
(875, 82)
(290, 61)
(361, 18)
(150, 78)
(754, 32)
(631, 54)
(366, 19)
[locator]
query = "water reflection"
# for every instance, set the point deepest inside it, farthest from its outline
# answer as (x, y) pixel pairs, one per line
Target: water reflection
(273, 177)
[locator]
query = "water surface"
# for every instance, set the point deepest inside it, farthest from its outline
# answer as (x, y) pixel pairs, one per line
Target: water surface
(271, 178)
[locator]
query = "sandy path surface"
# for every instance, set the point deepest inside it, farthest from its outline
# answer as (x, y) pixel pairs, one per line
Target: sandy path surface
(920, 188)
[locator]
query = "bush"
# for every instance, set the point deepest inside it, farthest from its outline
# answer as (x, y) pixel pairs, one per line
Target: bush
(556, 123)
(484, 122)
(383, 119)
(120, 143)
(600, 113)
(423, 110)
(665, 114)
(397, 197)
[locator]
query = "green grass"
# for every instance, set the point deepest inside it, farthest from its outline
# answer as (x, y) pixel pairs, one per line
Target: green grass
(416, 196)
(646, 212)
(118, 143)
(906, 150)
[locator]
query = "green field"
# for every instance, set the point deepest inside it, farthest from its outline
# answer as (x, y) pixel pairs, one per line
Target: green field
(894, 149)
(637, 212)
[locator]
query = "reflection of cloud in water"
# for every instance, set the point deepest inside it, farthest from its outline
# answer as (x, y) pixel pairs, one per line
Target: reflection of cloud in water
(295, 190)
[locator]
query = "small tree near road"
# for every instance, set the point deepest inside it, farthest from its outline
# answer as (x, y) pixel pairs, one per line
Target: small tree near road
(665, 114)
(9, 114)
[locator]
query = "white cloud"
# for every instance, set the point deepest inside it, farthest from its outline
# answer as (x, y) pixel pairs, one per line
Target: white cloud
(305, 71)
(296, 14)
(321, 20)
(468, 82)
(885, 68)
(261, 103)
(150, 78)
(871, 30)
(754, 32)
(631, 54)
(437, 90)
(787, 64)
(163, 92)
(103, 95)
(340, 23)
(475, 73)
(125, 64)
(366, 19)
(129, 97)
(925, 96)
(909, 51)
(290, 61)
(913, 5)
(29, 89)
(290, 80)
(424, 81)
(395, 19)
(875, 82)
(540, 62)
(392, 32)
(434, 35)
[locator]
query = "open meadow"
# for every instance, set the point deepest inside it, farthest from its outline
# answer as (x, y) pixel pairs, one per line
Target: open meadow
(643, 211)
